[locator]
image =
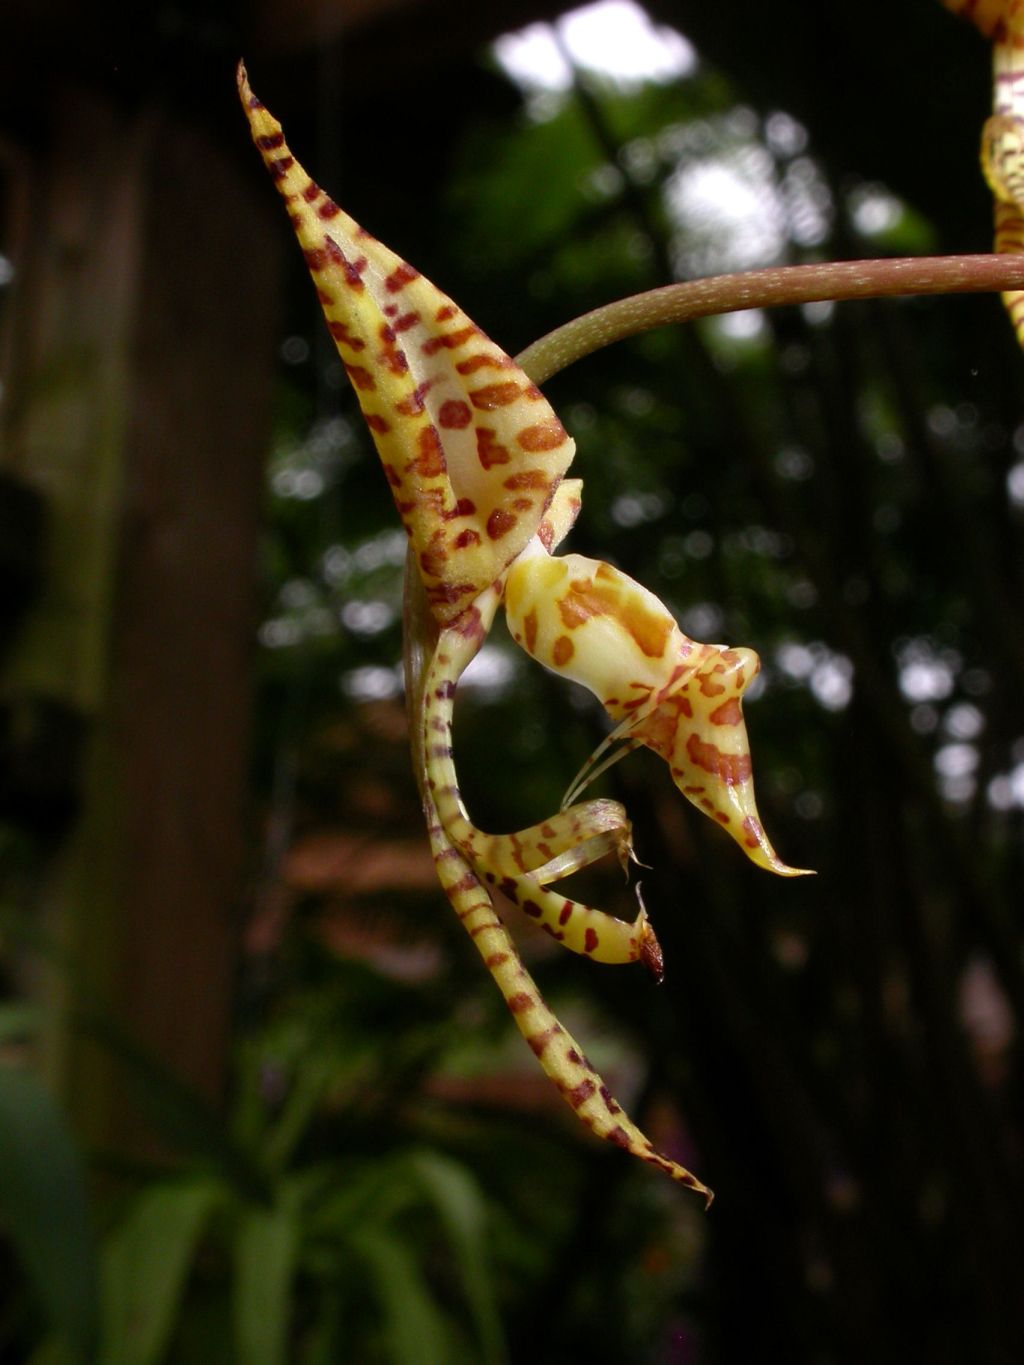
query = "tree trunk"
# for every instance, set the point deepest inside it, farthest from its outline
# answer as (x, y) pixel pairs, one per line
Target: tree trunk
(136, 403)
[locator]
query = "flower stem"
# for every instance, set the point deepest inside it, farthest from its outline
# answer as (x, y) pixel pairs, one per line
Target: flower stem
(792, 284)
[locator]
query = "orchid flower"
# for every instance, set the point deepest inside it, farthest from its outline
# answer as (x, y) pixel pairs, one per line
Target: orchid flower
(476, 460)
(1002, 135)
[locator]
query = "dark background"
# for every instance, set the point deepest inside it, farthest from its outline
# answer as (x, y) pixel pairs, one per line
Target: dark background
(222, 946)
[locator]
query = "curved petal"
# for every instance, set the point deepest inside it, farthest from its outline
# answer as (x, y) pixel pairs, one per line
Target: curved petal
(471, 448)
(522, 866)
(561, 1057)
(598, 626)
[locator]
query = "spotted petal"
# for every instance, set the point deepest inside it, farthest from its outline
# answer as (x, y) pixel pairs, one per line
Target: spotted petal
(594, 624)
(471, 448)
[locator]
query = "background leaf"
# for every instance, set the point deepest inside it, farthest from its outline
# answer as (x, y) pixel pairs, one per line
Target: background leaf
(411, 1322)
(44, 1207)
(145, 1268)
(460, 1203)
(266, 1247)
(179, 1113)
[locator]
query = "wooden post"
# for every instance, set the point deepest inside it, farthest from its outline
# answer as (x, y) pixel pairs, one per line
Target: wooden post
(137, 401)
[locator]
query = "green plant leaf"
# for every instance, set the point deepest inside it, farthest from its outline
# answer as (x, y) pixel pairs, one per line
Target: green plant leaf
(181, 1115)
(53, 1350)
(413, 1325)
(266, 1249)
(460, 1204)
(44, 1208)
(18, 1021)
(24, 928)
(145, 1268)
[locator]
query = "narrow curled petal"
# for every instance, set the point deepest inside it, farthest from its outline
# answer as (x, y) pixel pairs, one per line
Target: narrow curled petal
(558, 1053)
(594, 624)
(560, 1056)
(471, 448)
(572, 839)
(523, 865)
(580, 928)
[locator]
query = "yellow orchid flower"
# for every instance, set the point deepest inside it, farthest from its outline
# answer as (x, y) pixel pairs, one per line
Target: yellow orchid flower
(1002, 135)
(476, 460)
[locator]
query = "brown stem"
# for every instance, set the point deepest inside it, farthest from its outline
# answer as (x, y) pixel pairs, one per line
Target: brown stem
(780, 285)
